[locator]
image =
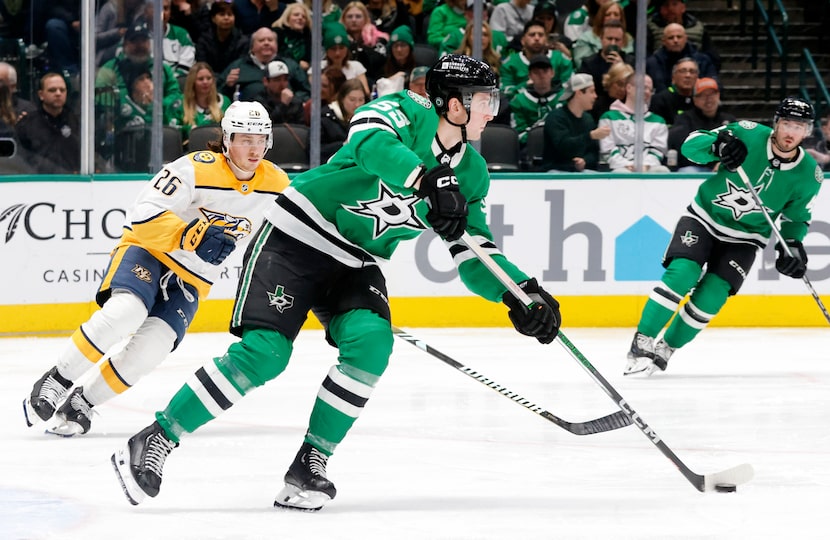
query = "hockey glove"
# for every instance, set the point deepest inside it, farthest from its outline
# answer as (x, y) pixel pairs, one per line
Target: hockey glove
(210, 242)
(447, 206)
(730, 150)
(794, 266)
(541, 320)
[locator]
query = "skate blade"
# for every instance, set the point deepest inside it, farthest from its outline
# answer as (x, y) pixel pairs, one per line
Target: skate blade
(121, 463)
(294, 498)
(642, 367)
(63, 428)
(29, 414)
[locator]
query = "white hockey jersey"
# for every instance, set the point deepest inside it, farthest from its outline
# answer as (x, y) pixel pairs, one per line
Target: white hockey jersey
(619, 146)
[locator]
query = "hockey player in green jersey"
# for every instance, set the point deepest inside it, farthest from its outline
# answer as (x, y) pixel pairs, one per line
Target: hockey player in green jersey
(406, 167)
(715, 243)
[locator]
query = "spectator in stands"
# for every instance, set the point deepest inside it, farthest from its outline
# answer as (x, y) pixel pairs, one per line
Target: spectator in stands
(675, 46)
(293, 30)
(8, 116)
(111, 23)
(458, 39)
(331, 79)
(251, 15)
(536, 100)
(137, 106)
(63, 29)
(418, 79)
(190, 15)
(705, 114)
(387, 15)
(818, 145)
(619, 145)
(8, 76)
(50, 137)
(331, 10)
(400, 63)
(677, 98)
(339, 55)
(571, 134)
(445, 20)
(179, 51)
(674, 11)
(613, 88)
(581, 20)
(598, 64)
(511, 17)
(242, 78)
(203, 105)
(335, 118)
(277, 97)
(123, 72)
(590, 42)
(224, 42)
(368, 45)
(514, 71)
(489, 54)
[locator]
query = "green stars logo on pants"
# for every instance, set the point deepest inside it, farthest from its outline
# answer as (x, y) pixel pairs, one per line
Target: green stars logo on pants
(280, 300)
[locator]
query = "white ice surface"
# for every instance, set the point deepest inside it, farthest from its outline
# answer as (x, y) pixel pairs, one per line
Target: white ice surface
(437, 455)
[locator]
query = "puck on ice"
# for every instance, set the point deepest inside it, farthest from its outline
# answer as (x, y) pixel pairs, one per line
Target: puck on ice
(726, 488)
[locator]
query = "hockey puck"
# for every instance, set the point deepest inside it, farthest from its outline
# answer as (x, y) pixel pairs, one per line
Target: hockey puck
(726, 488)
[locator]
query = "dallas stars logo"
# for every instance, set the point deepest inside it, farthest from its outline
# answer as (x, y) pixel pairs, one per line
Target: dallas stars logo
(280, 300)
(738, 200)
(389, 210)
(688, 239)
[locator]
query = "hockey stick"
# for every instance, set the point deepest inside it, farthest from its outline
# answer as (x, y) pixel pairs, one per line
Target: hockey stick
(780, 239)
(606, 423)
(735, 476)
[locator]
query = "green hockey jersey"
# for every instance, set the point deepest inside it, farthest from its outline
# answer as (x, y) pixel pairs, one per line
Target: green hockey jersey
(787, 189)
(360, 205)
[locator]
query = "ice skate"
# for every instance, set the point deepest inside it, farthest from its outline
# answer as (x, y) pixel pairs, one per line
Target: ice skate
(662, 354)
(306, 486)
(74, 417)
(139, 463)
(47, 392)
(640, 356)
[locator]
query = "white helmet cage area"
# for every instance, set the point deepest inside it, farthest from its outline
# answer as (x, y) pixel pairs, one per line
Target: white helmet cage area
(246, 117)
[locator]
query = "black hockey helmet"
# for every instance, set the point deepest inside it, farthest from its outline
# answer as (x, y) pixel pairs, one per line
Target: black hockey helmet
(795, 108)
(460, 76)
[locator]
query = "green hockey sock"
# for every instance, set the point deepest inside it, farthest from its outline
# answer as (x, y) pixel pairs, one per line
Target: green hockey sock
(678, 279)
(707, 300)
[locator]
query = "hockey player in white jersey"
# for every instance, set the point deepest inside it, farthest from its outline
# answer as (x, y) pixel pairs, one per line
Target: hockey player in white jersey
(184, 223)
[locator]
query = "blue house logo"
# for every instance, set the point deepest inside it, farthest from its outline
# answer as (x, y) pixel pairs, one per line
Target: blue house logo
(639, 251)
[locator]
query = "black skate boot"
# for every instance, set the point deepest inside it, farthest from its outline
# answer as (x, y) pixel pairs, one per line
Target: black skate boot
(139, 463)
(640, 356)
(74, 417)
(47, 392)
(306, 485)
(662, 354)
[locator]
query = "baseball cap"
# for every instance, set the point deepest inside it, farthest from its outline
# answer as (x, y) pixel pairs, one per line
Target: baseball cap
(275, 69)
(540, 60)
(705, 83)
(137, 31)
(418, 73)
(578, 81)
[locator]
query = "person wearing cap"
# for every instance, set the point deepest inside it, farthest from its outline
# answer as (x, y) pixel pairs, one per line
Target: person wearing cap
(514, 70)
(571, 135)
(242, 79)
(399, 63)
(277, 97)
(224, 43)
(111, 23)
(535, 101)
(706, 113)
(677, 98)
(338, 54)
(417, 80)
(619, 146)
(511, 17)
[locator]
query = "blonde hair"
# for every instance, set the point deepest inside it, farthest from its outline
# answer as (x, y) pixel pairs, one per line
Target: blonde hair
(289, 9)
(489, 54)
(617, 72)
(190, 104)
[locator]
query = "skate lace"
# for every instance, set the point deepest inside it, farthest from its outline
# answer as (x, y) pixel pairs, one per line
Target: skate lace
(157, 451)
(317, 462)
(644, 343)
(52, 391)
(662, 349)
(80, 405)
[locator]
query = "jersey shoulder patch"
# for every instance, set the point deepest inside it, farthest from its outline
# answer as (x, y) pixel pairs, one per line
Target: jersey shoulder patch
(747, 124)
(204, 157)
(419, 99)
(819, 175)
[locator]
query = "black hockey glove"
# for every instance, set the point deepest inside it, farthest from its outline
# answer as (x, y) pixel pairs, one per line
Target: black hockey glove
(730, 150)
(210, 242)
(542, 320)
(447, 206)
(794, 266)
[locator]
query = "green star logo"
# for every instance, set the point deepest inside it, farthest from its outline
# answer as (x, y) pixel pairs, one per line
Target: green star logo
(280, 300)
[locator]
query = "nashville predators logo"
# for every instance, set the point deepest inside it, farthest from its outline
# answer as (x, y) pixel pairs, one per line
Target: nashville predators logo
(389, 209)
(142, 273)
(239, 227)
(204, 157)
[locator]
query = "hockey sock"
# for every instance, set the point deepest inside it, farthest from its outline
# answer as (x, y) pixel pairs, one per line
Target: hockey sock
(709, 297)
(260, 356)
(678, 279)
(364, 339)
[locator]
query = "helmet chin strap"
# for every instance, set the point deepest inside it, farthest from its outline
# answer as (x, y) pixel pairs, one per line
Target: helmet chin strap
(462, 126)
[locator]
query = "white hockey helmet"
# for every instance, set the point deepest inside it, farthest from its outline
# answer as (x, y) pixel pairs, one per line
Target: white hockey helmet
(246, 117)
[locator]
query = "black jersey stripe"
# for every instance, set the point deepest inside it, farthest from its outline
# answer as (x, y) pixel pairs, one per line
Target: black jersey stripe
(693, 314)
(668, 295)
(347, 396)
(212, 389)
(118, 375)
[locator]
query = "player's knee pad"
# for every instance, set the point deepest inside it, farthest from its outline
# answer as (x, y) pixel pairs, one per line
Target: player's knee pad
(364, 339)
(681, 276)
(711, 294)
(120, 316)
(260, 356)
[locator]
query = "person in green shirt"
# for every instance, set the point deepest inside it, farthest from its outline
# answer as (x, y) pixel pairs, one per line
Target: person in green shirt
(716, 241)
